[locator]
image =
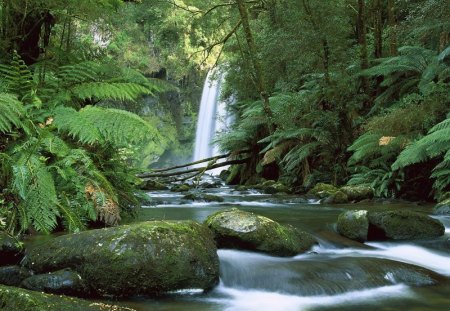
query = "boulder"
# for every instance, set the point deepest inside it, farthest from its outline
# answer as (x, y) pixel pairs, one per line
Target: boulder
(403, 225)
(353, 225)
(203, 197)
(442, 208)
(11, 250)
(181, 188)
(388, 225)
(357, 193)
(62, 282)
(13, 275)
(338, 197)
(19, 299)
(153, 185)
(244, 230)
(322, 190)
(148, 258)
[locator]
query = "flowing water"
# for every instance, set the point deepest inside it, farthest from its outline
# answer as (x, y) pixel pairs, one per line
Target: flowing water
(337, 274)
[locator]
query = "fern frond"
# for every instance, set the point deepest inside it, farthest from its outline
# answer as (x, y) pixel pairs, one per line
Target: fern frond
(108, 90)
(11, 112)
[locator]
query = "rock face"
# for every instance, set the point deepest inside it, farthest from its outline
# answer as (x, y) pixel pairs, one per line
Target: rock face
(389, 225)
(63, 282)
(18, 299)
(148, 258)
(11, 250)
(13, 275)
(243, 230)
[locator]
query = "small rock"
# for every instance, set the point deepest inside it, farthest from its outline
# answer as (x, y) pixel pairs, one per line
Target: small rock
(357, 193)
(181, 188)
(151, 185)
(13, 275)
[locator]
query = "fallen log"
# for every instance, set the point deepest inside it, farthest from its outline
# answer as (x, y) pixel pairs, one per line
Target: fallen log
(192, 170)
(215, 158)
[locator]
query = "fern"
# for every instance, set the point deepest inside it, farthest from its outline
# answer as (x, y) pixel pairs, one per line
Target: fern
(109, 90)
(11, 112)
(95, 125)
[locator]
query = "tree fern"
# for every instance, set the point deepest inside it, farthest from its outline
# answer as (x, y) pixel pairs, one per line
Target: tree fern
(94, 125)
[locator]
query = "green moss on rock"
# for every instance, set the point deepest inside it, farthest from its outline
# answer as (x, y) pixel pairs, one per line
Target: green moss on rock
(243, 230)
(147, 258)
(338, 197)
(18, 299)
(322, 190)
(353, 225)
(357, 193)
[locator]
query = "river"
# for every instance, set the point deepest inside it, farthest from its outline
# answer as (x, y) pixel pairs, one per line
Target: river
(335, 275)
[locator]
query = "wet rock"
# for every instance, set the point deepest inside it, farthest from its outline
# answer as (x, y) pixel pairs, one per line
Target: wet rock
(13, 275)
(442, 208)
(243, 230)
(19, 299)
(63, 282)
(357, 193)
(322, 190)
(147, 258)
(224, 174)
(181, 188)
(210, 185)
(353, 225)
(388, 225)
(11, 250)
(234, 176)
(403, 225)
(338, 197)
(203, 197)
(153, 185)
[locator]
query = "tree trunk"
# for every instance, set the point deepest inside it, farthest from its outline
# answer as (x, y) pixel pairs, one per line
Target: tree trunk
(378, 28)
(259, 76)
(362, 41)
(392, 20)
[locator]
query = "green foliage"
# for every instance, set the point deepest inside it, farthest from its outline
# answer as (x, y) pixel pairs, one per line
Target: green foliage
(67, 165)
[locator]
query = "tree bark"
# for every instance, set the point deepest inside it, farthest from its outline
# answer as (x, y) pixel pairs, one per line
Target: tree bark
(362, 41)
(378, 28)
(392, 20)
(259, 76)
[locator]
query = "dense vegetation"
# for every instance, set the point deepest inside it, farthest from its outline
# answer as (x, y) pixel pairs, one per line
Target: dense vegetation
(344, 91)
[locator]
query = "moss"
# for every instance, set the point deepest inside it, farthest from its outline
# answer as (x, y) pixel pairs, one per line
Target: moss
(153, 185)
(322, 190)
(353, 225)
(148, 258)
(400, 225)
(234, 176)
(17, 299)
(181, 188)
(243, 230)
(338, 197)
(357, 193)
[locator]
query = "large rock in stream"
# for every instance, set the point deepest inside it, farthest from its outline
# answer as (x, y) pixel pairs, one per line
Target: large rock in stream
(244, 230)
(362, 225)
(18, 299)
(148, 258)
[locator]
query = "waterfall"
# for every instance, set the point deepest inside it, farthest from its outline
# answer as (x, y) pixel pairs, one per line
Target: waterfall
(212, 118)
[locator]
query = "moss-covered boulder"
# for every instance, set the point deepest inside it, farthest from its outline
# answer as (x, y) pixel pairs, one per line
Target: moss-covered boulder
(11, 250)
(18, 299)
(338, 197)
(62, 282)
(403, 225)
(13, 275)
(322, 190)
(147, 258)
(151, 185)
(442, 208)
(181, 188)
(388, 225)
(244, 230)
(357, 193)
(234, 175)
(353, 225)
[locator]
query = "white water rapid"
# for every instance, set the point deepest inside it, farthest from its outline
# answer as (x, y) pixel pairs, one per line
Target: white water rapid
(212, 118)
